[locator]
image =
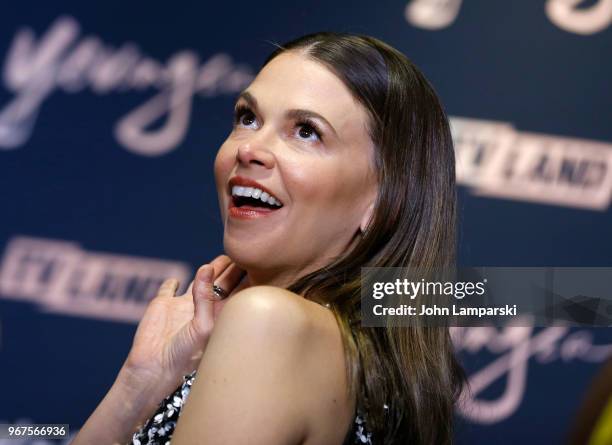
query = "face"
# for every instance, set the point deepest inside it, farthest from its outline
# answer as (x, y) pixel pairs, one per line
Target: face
(321, 170)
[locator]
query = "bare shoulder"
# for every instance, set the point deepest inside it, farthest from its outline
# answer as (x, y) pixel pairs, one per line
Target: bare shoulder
(276, 352)
(282, 316)
(275, 309)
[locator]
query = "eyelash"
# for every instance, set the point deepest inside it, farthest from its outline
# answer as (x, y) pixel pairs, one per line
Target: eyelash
(241, 110)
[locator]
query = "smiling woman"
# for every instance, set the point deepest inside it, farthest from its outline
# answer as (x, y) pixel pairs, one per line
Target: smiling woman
(340, 157)
(322, 170)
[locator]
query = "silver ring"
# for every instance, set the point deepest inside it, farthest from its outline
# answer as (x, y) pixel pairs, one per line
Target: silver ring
(219, 292)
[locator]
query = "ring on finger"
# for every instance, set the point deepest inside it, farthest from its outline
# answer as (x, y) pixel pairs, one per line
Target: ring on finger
(219, 292)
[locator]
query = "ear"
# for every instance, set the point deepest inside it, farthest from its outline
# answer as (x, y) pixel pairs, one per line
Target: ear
(367, 216)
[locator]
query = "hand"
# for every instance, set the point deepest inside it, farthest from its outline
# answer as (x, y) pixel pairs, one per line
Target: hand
(172, 335)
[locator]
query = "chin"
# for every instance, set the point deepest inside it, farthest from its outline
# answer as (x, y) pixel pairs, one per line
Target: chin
(246, 255)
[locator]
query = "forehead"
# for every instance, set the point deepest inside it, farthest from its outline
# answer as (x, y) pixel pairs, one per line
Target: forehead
(292, 80)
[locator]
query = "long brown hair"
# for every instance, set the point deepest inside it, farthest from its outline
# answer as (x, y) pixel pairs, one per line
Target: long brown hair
(412, 370)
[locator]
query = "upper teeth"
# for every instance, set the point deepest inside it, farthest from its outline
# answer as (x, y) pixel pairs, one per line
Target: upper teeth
(256, 193)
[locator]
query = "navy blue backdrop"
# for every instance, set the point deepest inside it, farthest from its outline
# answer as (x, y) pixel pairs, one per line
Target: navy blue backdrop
(111, 115)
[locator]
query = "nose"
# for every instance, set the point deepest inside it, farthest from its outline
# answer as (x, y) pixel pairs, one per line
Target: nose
(252, 153)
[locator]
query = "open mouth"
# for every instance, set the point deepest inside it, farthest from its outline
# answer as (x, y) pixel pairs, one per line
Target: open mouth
(248, 202)
(254, 198)
(250, 199)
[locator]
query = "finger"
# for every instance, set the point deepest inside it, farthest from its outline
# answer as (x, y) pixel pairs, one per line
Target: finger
(189, 289)
(202, 285)
(220, 264)
(230, 278)
(168, 288)
(203, 297)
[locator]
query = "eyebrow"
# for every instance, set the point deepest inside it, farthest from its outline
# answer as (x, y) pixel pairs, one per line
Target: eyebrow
(297, 114)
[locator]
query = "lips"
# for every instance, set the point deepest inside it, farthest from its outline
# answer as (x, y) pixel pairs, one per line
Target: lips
(248, 212)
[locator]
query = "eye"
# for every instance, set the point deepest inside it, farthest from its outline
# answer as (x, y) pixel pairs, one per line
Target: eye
(309, 128)
(243, 115)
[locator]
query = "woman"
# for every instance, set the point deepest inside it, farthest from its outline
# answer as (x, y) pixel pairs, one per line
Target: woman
(351, 142)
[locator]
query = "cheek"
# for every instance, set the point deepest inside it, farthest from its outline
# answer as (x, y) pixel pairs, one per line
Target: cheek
(326, 187)
(222, 169)
(223, 166)
(307, 180)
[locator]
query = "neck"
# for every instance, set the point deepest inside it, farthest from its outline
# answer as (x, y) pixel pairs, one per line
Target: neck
(283, 278)
(271, 278)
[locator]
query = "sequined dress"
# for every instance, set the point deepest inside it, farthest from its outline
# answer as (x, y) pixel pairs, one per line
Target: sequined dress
(159, 428)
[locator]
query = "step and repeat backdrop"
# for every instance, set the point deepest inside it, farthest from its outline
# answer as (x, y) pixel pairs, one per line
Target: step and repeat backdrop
(110, 118)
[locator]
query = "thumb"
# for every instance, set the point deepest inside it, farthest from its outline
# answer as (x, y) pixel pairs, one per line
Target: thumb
(203, 295)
